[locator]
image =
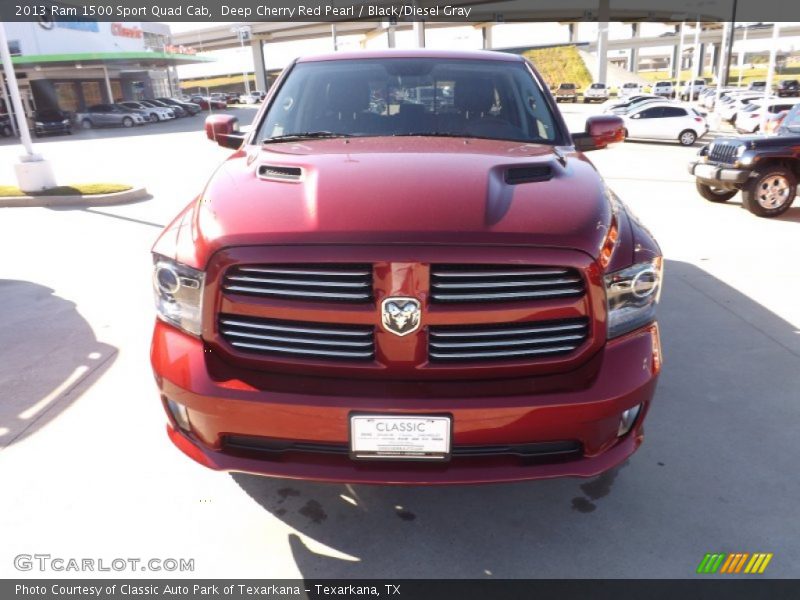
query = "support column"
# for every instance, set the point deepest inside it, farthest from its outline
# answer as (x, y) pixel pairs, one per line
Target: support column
(390, 36)
(419, 33)
(602, 40)
(701, 59)
(334, 37)
(674, 66)
(633, 59)
(573, 32)
(7, 101)
(259, 69)
(109, 91)
(487, 37)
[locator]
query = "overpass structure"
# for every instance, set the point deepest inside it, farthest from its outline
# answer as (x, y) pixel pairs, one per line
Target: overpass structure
(260, 35)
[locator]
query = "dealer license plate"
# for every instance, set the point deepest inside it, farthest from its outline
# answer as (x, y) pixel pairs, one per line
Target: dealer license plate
(400, 437)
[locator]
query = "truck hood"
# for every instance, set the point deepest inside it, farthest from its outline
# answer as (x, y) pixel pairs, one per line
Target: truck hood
(403, 190)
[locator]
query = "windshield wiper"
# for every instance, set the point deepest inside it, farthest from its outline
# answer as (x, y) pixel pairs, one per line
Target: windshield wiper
(308, 135)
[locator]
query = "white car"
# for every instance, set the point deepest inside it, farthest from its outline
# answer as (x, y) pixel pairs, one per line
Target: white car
(728, 110)
(693, 87)
(630, 89)
(597, 92)
(154, 113)
(749, 119)
(664, 89)
(251, 98)
(665, 121)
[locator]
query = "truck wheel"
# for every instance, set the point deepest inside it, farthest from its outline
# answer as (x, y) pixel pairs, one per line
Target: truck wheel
(713, 194)
(687, 137)
(86, 124)
(771, 192)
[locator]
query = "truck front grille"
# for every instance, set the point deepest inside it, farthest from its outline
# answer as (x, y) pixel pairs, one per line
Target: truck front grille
(319, 283)
(723, 152)
(298, 339)
(502, 283)
(506, 341)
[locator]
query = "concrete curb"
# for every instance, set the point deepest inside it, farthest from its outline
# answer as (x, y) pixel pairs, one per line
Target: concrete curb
(91, 200)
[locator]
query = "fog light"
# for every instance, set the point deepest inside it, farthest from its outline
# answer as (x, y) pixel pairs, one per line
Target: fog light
(180, 414)
(628, 419)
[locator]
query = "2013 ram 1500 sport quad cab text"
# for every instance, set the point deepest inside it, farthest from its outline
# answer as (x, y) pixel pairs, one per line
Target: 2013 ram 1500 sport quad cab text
(407, 272)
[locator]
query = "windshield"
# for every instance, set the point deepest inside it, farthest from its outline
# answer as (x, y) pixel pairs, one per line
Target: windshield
(598, 86)
(401, 96)
(791, 121)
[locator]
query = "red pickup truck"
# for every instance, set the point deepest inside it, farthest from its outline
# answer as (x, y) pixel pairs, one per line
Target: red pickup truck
(407, 272)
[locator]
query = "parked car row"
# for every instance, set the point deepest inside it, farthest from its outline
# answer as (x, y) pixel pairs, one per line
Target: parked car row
(135, 112)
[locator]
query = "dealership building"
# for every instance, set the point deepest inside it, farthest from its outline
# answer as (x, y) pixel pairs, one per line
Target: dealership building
(71, 65)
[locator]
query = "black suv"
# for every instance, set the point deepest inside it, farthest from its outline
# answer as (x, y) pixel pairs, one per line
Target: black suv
(788, 87)
(764, 168)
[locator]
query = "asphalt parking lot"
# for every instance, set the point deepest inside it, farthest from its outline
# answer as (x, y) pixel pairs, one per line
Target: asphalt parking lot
(87, 470)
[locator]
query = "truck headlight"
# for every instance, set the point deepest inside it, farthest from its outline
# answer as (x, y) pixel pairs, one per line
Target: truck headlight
(178, 294)
(632, 295)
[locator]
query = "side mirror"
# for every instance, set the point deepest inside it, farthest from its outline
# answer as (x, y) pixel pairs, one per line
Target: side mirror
(224, 130)
(601, 130)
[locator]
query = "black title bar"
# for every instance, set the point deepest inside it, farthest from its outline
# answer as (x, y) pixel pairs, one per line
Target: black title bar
(707, 588)
(455, 11)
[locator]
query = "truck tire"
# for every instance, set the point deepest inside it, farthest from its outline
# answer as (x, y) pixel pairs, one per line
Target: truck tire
(713, 194)
(771, 192)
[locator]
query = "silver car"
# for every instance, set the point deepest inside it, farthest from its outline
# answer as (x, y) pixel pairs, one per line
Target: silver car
(109, 115)
(152, 113)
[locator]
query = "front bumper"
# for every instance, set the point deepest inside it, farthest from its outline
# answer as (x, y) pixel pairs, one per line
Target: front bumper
(219, 406)
(714, 174)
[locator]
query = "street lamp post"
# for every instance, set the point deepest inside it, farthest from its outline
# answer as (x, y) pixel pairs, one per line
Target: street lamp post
(34, 174)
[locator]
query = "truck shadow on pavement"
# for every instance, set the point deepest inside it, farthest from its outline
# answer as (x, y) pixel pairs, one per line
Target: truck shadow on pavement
(48, 355)
(726, 394)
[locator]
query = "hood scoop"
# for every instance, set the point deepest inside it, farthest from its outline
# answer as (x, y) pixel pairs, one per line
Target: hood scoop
(279, 173)
(528, 174)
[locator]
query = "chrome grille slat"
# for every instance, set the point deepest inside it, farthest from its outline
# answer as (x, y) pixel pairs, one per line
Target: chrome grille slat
(503, 284)
(501, 354)
(298, 282)
(510, 295)
(502, 332)
(506, 341)
(297, 338)
(522, 342)
(499, 283)
(276, 338)
(305, 351)
(302, 282)
(293, 329)
(498, 273)
(281, 271)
